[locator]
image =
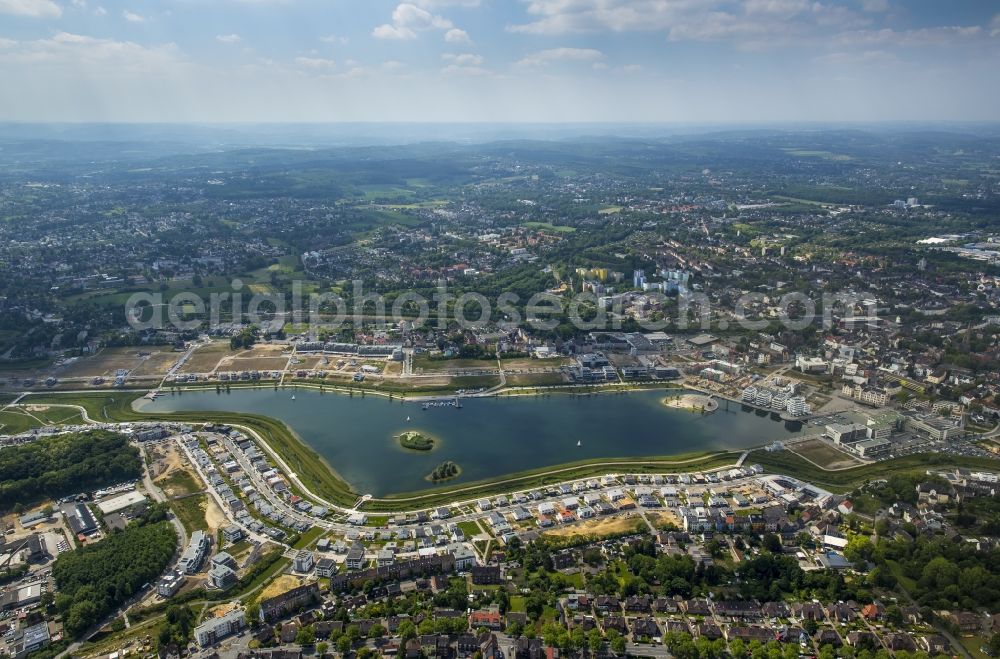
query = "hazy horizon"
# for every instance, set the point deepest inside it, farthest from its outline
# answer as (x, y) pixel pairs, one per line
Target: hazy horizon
(484, 61)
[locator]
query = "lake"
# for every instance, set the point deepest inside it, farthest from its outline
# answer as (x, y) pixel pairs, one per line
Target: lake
(487, 437)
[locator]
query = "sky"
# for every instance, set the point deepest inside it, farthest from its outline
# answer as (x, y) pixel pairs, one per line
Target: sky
(499, 60)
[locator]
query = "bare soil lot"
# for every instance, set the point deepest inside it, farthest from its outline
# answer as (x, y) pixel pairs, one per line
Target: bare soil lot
(425, 364)
(141, 361)
(823, 454)
(596, 527)
(205, 358)
(282, 584)
(312, 363)
(157, 364)
(254, 364)
(534, 364)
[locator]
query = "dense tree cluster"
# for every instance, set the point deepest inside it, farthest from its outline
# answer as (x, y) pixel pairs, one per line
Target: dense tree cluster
(947, 574)
(65, 464)
(245, 339)
(93, 580)
(180, 621)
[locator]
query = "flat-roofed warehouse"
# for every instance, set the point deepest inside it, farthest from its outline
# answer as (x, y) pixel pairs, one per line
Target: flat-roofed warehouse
(120, 502)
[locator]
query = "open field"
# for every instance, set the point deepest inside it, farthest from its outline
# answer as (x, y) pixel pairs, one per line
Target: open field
(254, 364)
(663, 519)
(157, 364)
(788, 463)
(312, 362)
(823, 454)
(214, 516)
(597, 528)
(144, 362)
(282, 584)
(21, 418)
(205, 358)
(16, 367)
(535, 379)
(190, 510)
(104, 363)
(14, 421)
(452, 365)
(528, 363)
(100, 405)
(973, 644)
(178, 483)
(423, 386)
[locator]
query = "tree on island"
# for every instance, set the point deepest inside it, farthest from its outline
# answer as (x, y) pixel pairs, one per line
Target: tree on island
(444, 471)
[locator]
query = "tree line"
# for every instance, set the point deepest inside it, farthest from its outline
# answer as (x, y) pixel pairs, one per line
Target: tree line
(64, 464)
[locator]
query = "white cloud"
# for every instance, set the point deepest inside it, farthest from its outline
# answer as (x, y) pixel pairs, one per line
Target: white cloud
(750, 22)
(434, 4)
(228, 39)
(543, 57)
(995, 26)
(561, 17)
(931, 36)
(32, 8)
(464, 59)
(778, 7)
(409, 19)
(7, 43)
(77, 52)
(317, 63)
(464, 64)
(335, 39)
(456, 35)
(387, 31)
(100, 11)
(132, 17)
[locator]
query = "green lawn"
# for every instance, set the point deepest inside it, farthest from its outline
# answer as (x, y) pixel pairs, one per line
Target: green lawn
(13, 422)
(972, 644)
(191, 512)
(180, 482)
(456, 364)
(307, 539)
(788, 463)
(470, 529)
(907, 583)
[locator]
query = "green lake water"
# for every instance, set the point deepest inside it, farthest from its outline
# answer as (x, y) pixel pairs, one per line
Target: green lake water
(487, 437)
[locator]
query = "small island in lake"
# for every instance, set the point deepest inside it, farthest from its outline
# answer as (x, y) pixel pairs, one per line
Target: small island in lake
(444, 472)
(415, 441)
(697, 403)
